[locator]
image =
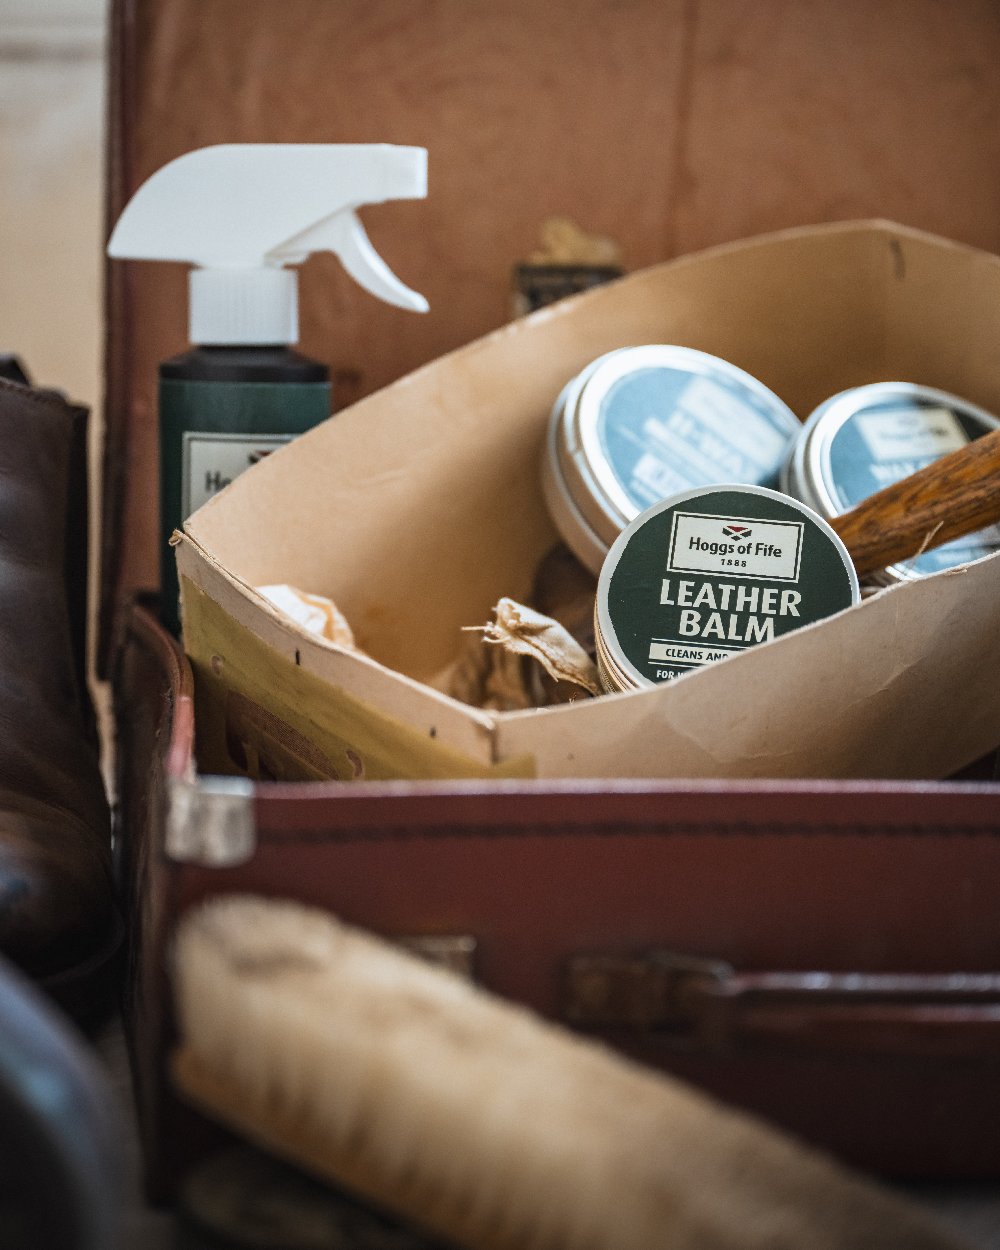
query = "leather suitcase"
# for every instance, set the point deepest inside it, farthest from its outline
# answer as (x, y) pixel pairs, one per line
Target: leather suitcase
(825, 953)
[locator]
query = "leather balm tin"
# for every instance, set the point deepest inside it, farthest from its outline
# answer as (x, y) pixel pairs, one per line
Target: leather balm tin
(708, 573)
(641, 424)
(869, 437)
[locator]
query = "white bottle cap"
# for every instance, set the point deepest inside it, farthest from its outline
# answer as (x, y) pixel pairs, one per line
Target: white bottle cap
(253, 306)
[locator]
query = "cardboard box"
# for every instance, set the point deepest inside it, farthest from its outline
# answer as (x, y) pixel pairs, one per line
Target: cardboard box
(417, 508)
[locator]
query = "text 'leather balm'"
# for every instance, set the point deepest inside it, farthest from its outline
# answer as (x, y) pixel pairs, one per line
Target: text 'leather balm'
(870, 437)
(705, 574)
(641, 424)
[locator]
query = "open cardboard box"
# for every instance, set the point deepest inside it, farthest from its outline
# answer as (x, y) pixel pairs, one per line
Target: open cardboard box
(417, 508)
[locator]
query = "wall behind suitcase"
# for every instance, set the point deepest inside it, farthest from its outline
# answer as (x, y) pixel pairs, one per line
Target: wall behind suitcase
(668, 125)
(51, 132)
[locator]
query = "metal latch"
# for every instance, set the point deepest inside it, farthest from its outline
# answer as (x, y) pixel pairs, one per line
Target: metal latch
(658, 991)
(210, 821)
(456, 952)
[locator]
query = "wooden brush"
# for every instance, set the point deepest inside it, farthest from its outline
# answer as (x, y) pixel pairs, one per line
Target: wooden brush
(475, 1119)
(949, 498)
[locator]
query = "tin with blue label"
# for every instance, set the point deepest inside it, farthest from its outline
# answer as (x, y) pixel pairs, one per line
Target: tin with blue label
(869, 437)
(641, 424)
(704, 575)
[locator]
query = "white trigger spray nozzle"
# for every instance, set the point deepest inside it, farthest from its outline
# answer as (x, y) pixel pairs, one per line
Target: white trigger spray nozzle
(239, 213)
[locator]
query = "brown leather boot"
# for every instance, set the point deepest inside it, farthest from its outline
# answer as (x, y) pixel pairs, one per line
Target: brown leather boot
(57, 915)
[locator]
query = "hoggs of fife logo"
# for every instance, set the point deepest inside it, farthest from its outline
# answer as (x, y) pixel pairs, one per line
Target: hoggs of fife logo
(714, 544)
(731, 605)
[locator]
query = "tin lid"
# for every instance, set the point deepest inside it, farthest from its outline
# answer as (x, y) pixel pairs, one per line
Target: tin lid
(868, 437)
(644, 423)
(708, 573)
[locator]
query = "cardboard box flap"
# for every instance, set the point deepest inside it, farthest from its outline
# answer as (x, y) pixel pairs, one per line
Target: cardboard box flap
(416, 509)
(871, 692)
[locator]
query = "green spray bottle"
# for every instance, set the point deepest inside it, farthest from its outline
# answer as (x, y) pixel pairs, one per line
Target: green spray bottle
(241, 213)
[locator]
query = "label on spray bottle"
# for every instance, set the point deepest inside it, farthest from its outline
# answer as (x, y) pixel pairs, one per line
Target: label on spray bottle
(209, 462)
(210, 432)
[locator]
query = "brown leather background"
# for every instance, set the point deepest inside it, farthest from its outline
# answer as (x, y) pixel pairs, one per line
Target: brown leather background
(667, 125)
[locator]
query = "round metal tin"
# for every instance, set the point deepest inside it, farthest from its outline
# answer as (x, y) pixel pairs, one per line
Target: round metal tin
(640, 424)
(867, 438)
(706, 574)
(588, 544)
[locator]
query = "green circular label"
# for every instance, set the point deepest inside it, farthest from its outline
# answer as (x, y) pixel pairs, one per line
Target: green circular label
(709, 573)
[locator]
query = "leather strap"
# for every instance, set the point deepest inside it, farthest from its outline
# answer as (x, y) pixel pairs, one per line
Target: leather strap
(707, 1005)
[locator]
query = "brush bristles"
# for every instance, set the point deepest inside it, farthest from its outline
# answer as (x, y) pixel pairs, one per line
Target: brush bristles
(476, 1119)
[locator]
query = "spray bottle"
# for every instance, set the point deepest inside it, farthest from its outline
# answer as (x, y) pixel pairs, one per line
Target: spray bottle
(239, 213)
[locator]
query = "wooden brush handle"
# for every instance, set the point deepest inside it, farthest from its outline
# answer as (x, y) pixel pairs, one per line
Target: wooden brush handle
(957, 494)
